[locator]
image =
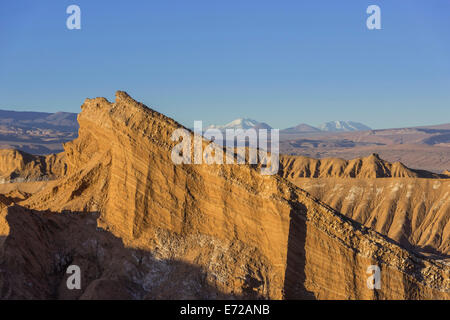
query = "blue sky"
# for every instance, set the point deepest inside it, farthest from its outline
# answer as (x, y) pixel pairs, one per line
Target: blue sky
(282, 62)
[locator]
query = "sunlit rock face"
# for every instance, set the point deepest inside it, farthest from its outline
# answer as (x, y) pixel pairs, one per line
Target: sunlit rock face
(141, 227)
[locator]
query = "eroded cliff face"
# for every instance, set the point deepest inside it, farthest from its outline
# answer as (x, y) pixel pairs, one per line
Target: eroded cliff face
(19, 166)
(294, 167)
(414, 212)
(160, 230)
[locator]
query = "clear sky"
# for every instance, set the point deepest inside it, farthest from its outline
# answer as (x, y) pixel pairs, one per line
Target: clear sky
(281, 62)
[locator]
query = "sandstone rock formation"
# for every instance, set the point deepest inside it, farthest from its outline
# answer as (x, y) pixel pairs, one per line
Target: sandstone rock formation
(141, 227)
(19, 166)
(370, 167)
(414, 212)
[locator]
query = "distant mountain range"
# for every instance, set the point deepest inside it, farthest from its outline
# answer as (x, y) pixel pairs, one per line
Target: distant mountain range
(67, 122)
(426, 147)
(242, 123)
(302, 127)
(332, 126)
(61, 121)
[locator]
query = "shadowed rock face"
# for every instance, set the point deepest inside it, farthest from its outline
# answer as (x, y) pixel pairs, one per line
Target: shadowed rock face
(42, 245)
(414, 212)
(237, 233)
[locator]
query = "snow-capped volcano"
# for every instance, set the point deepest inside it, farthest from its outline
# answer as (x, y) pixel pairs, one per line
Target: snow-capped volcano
(343, 126)
(242, 123)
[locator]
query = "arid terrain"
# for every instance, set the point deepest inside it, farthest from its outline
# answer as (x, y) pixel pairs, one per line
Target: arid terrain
(36, 132)
(141, 227)
(410, 207)
(425, 148)
(421, 148)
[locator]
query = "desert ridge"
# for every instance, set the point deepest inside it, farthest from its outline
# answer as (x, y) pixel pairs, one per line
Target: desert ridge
(141, 227)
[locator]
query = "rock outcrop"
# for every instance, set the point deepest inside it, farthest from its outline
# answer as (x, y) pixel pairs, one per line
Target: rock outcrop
(370, 167)
(19, 166)
(414, 212)
(141, 227)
